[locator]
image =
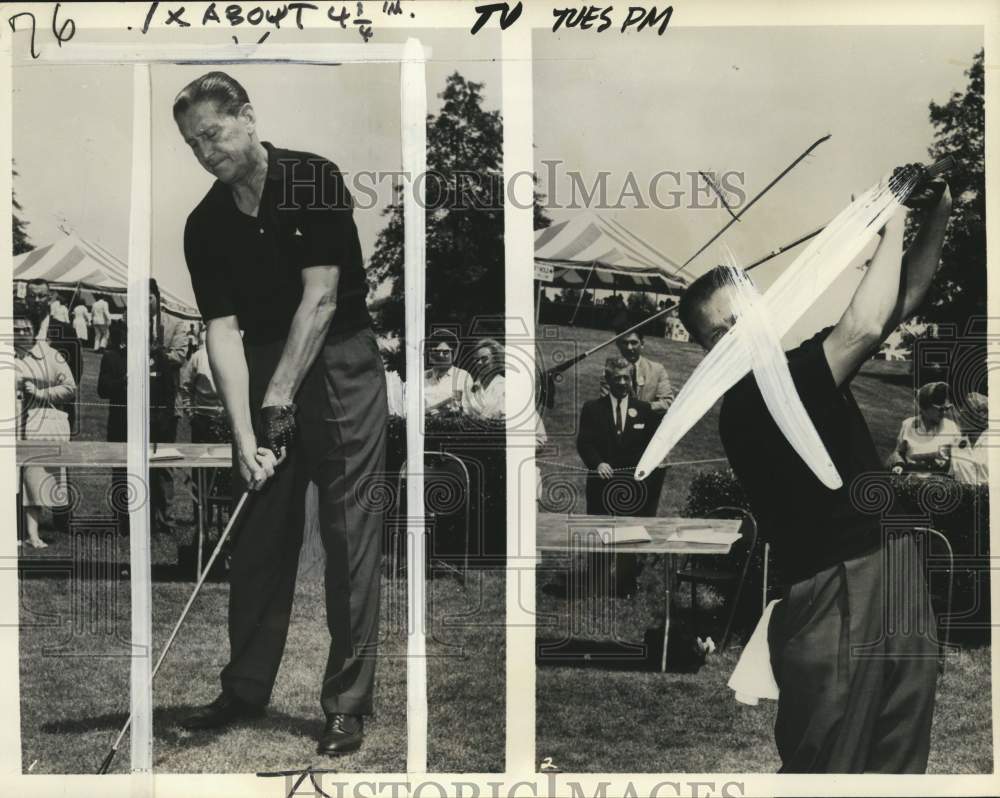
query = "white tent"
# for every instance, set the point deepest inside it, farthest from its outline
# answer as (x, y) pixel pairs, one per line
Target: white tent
(77, 263)
(592, 251)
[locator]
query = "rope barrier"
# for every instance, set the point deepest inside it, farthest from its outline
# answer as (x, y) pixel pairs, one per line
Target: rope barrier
(581, 469)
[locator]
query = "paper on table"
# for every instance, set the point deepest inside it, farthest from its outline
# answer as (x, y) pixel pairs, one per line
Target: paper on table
(165, 454)
(623, 534)
(703, 535)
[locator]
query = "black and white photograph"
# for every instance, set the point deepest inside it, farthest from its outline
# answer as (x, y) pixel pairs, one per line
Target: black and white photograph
(278, 522)
(499, 399)
(763, 502)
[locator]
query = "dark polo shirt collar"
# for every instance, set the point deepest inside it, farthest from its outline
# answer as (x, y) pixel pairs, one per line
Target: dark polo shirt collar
(250, 266)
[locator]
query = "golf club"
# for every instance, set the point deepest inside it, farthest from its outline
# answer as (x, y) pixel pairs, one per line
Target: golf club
(106, 763)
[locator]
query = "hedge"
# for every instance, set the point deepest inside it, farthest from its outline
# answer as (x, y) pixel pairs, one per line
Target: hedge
(481, 446)
(959, 511)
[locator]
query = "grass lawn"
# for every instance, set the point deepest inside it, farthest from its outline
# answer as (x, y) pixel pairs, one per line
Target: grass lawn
(74, 674)
(643, 722)
(466, 682)
(74, 682)
(603, 719)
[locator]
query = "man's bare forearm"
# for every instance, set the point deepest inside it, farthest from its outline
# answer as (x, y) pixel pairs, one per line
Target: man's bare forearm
(922, 258)
(305, 339)
(232, 379)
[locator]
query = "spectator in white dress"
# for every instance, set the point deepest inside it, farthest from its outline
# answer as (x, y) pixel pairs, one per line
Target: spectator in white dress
(100, 317)
(81, 322)
(485, 398)
(970, 460)
(44, 385)
(926, 441)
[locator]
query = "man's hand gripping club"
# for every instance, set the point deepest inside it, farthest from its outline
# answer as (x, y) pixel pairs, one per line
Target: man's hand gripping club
(279, 429)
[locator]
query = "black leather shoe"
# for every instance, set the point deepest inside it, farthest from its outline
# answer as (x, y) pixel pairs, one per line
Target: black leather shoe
(221, 712)
(342, 734)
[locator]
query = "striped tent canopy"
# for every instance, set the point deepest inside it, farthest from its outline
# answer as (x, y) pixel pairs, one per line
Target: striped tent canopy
(597, 252)
(73, 262)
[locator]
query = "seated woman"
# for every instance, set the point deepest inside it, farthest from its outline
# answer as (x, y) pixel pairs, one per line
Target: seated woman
(444, 383)
(45, 386)
(485, 397)
(926, 441)
(969, 461)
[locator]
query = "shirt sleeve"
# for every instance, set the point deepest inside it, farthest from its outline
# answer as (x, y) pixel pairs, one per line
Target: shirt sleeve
(951, 433)
(664, 391)
(329, 235)
(211, 291)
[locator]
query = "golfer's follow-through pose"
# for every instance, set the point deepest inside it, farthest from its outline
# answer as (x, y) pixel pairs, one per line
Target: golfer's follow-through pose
(852, 644)
(273, 251)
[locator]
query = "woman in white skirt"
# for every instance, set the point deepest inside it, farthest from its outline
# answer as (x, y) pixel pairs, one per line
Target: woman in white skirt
(81, 321)
(45, 386)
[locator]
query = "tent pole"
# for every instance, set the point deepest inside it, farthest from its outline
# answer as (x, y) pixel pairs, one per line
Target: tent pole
(583, 290)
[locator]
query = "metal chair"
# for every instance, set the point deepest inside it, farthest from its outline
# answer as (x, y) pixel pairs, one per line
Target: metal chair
(731, 573)
(946, 618)
(449, 458)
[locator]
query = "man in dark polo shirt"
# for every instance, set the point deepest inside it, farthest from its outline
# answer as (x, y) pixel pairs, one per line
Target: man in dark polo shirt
(856, 686)
(273, 252)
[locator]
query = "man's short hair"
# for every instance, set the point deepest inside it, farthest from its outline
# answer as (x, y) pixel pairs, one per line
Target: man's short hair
(616, 364)
(443, 337)
(39, 281)
(699, 292)
(218, 87)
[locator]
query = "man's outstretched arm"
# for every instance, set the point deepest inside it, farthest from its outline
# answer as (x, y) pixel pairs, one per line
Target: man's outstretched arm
(889, 293)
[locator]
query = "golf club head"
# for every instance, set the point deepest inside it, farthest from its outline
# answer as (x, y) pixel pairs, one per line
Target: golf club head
(106, 763)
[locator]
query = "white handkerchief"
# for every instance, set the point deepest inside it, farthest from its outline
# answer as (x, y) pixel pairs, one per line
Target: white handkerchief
(752, 678)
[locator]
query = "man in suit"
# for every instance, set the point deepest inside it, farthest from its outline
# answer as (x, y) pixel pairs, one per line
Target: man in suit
(167, 354)
(650, 383)
(61, 337)
(613, 433)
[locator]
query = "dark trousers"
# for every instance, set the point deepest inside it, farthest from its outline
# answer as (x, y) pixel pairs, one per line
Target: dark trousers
(854, 651)
(620, 495)
(162, 429)
(341, 447)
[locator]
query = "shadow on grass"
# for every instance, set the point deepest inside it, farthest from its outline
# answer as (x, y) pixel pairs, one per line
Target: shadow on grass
(683, 654)
(611, 655)
(167, 725)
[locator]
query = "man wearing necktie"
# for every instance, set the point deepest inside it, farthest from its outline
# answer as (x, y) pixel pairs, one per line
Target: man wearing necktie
(613, 433)
(650, 383)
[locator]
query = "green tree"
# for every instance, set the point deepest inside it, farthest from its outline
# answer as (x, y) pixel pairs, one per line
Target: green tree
(641, 303)
(464, 193)
(21, 243)
(959, 288)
